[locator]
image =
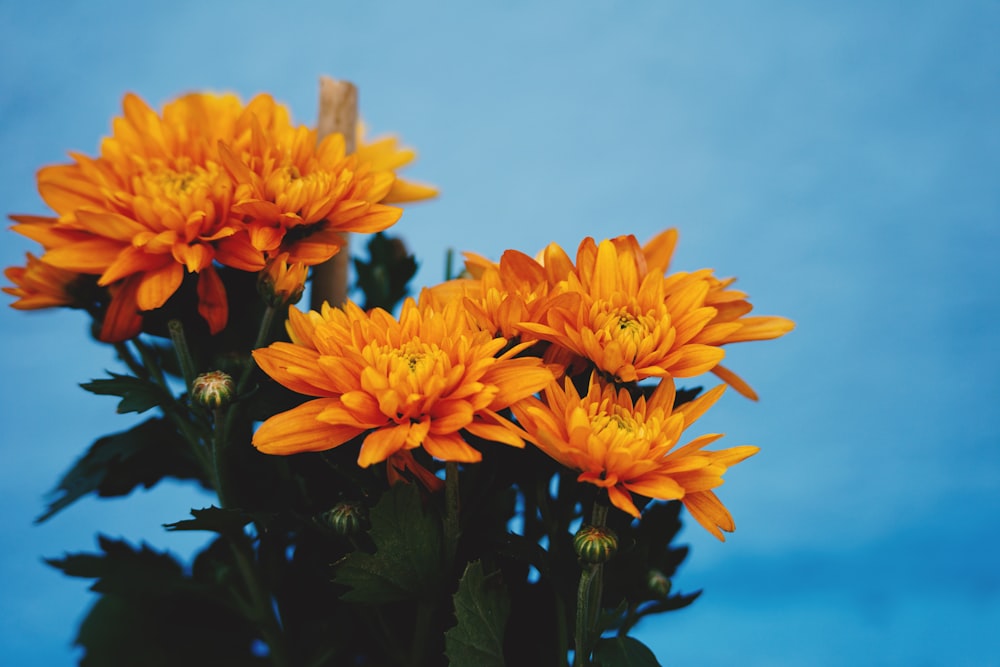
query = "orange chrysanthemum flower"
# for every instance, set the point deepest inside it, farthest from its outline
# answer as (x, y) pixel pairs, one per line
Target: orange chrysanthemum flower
(146, 211)
(299, 197)
(209, 181)
(418, 381)
(281, 282)
(616, 307)
(38, 285)
(627, 446)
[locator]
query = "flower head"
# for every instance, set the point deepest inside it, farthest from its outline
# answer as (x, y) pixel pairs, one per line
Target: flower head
(280, 282)
(207, 182)
(631, 446)
(38, 285)
(298, 197)
(616, 307)
(418, 381)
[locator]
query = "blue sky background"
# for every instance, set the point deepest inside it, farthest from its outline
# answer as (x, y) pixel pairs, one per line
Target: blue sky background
(841, 159)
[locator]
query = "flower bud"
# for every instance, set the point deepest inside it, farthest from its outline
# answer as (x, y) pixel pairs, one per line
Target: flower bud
(658, 583)
(213, 389)
(346, 518)
(595, 545)
(282, 283)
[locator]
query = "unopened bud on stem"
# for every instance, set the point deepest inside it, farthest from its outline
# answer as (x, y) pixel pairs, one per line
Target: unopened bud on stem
(595, 545)
(212, 390)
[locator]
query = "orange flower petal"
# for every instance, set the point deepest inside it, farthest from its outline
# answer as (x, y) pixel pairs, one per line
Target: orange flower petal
(297, 430)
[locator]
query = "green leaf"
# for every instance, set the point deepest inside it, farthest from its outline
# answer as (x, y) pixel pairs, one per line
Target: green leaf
(122, 569)
(214, 519)
(384, 278)
(624, 652)
(117, 463)
(151, 613)
(409, 556)
(137, 395)
(481, 607)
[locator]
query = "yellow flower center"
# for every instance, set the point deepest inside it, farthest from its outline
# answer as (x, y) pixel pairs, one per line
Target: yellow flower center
(180, 183)
(625, 328)
(415, 375)
(618, 427)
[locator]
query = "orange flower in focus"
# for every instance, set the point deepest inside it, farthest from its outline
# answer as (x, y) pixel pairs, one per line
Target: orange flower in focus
(38, 285)
(631, 323)
(209, 181)
(147, 211)
(616, 307)
(298, 197)
(418, 381)
(628, 446)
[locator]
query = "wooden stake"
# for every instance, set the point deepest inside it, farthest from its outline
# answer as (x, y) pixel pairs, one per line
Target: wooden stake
(338, 112)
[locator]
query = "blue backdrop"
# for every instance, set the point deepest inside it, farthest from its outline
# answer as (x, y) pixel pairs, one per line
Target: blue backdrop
(841, 159)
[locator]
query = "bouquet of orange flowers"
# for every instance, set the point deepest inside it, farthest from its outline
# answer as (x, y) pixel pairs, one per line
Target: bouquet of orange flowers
(489, 473)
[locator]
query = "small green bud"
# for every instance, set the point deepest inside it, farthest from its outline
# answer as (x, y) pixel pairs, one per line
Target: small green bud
(595, 545)
(213, 389)
(658, 583)
(346, 518)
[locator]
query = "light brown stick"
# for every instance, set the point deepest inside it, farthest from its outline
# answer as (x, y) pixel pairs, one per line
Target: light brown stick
(338, 112)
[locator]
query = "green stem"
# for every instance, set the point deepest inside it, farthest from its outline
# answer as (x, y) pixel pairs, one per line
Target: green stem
(449, 257)
(183, 352)
(261, 611)
(219, 439)
(421, 630)
(588, 597)
(263, 334)
(452, 503)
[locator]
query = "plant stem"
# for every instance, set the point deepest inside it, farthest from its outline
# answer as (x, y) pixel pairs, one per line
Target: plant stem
(183, 352)
(452, 527)
(219, 437)
(425, 612)
(588, 597)
(261, 609)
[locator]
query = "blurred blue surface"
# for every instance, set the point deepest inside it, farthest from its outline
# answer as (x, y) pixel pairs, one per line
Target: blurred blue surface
(841, 159)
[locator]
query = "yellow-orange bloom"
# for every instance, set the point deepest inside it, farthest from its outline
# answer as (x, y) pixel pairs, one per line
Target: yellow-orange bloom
(299, 197)
(38, 285)
(627, 446)
(146, 211)
(281, 282)
(209, 181)
(618, 307)
(418, 381)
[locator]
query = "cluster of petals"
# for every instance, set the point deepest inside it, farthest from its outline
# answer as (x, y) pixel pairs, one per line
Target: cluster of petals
(209, 182)
(422, 380)
(631, 446)
(617, 307)
(39, 285)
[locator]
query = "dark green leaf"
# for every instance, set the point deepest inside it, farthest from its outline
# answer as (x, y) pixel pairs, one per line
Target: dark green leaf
(214, 519)
(384, 277)
(151, 613)
(408, 559)
(122, 569)
(137, 395)
(481, 607)
(117, 463)
(624, 652)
